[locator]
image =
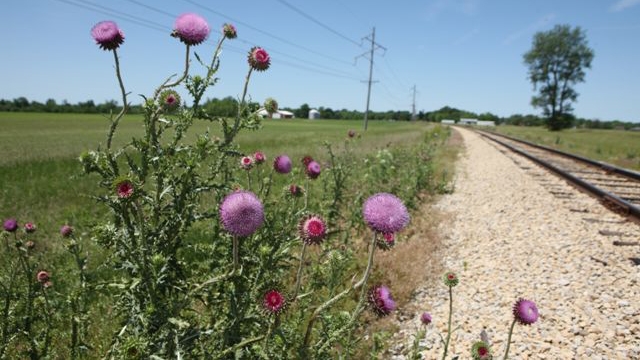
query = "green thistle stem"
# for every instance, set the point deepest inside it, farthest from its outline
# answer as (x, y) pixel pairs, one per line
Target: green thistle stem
(299, 275)
(125, 105)
(362, 283)
(235, 253)
(446, 344)
(506, 352)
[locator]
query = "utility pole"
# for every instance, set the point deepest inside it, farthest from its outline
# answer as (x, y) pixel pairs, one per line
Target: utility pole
(413, 105)
(374, 46)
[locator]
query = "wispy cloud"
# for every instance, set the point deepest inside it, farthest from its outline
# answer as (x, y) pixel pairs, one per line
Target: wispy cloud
(529, 29)
(621, 5)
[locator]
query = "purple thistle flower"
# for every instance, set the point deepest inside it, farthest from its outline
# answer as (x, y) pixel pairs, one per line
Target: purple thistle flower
(191, 29)
(273, 301)
(66, 231)
(313, 170)
(282, 164)
(229, 31)
(259, 59)
(525, 311)
(425, 318)
(381, 301)
(11, 225)
(385, 213)
(312, 229)
(107, 35)
(241, 213)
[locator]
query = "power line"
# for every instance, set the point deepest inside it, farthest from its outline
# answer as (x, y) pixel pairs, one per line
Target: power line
(330, 71)
(117, 14)
(266, 33)
(330, 29)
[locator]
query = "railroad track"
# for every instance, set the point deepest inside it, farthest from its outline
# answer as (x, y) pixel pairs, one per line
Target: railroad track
(617, 188)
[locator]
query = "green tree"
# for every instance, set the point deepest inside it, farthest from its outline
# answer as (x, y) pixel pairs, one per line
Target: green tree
(556, 62)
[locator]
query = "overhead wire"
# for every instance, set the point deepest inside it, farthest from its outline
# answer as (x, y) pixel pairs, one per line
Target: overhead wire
(309, 17)
(279, 38)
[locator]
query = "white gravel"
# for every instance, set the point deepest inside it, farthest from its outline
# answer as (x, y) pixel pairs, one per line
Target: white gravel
(517, 231)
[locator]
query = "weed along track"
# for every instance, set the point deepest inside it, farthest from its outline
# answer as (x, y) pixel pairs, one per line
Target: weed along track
(616, 188)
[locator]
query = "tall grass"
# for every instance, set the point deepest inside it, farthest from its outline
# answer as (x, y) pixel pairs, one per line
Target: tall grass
(618, 147)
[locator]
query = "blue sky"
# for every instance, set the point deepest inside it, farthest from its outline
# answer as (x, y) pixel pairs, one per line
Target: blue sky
(461, 53)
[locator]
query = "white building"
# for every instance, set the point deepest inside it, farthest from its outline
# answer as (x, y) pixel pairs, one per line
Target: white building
(314, 114)
(280, 114)
(447, 122)
(465, 121)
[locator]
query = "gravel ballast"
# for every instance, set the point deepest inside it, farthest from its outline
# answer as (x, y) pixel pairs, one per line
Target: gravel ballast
(516, 231)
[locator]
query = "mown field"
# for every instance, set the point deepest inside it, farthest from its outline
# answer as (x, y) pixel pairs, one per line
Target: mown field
(40, 175)
(618, 147)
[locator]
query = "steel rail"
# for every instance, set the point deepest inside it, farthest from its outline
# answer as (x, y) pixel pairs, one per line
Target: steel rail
(604, 166)
(606, 197)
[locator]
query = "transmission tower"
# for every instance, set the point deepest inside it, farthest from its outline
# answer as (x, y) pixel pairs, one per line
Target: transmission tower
(374, 47)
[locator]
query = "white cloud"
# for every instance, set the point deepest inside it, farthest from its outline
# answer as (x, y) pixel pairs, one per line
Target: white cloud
(623, 4)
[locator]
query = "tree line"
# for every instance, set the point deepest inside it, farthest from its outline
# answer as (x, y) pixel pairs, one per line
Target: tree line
(227, 107)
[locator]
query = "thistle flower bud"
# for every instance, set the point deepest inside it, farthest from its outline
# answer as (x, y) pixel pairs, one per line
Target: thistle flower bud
(259, 59)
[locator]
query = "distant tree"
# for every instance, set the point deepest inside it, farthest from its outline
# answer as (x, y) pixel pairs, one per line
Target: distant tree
(302, 112)
(556, 63)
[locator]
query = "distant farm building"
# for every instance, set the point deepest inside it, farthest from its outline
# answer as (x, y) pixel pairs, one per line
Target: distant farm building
(314, 114)
(486, 123)
(465, 121)
(280, 114)
(448, 122)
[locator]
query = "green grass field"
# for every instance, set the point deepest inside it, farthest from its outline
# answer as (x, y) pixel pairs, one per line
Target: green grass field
(41, 178)
(617, 147)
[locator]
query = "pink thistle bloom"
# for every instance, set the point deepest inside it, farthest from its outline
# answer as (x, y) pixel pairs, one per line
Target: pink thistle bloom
(381, 301)
(241, 213)
(480, 350)
(66, 231)
(450, 279)
(229, 31)
(273, 301)
(246, 162)
(124, 189)
(259, 59)
(42, 277)
(312, 229)
(425, 318)
(313, 170)
(351, 133)
(525, 311)
(259, 157)
(10, 225)
(385, 213)
(107, 35)
(296, 190)
(191, 29)
(29, 227)
(170, 99)
(387, 242)
(306, 160)
(282, 164)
